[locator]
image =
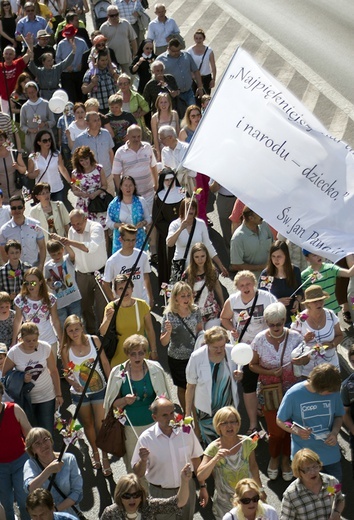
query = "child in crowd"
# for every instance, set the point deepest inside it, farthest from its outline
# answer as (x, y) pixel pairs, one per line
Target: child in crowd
(60, 275)
(5, 214)
(7, 317)
(326, 277)
(119, 121)
(11, 273)
(3, 352)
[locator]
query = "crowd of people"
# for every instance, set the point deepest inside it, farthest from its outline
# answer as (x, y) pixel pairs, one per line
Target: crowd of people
(92, 202)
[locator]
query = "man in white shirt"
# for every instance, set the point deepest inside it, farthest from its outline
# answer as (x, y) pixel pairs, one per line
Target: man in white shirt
(137, 159)
(172, 155)
(160, 454)
(5, 213)
(122, 262)
(161, 29)
(88, 240)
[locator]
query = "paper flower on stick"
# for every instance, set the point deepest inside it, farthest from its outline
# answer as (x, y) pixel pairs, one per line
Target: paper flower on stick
(197, 191)
(14, 274)
(7, 144)
(332, 490)
(37, 119)
(185, 424)
(266, 281)
(67, 372)
(319, 350)
(71, 431)
(315, 276)
(243, 316)
(34, 156)
(119, 414)
(123, 373)
(166, 289)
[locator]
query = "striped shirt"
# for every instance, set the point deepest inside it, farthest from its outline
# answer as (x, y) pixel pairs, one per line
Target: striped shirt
(136, 164)
(329, 273)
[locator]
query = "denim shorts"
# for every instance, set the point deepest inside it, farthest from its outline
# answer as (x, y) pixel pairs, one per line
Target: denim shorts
(91, 398)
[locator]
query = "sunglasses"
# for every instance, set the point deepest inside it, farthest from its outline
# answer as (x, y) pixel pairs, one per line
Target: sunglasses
(113, 15)
(275, 325)
(14, 208)
(5, 5)
(254, 499)
(32, 284)
(48, 140)
(128, 496)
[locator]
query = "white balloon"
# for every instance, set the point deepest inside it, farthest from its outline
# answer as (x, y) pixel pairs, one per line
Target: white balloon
(61, 94)
(242, 354)
(56, 105)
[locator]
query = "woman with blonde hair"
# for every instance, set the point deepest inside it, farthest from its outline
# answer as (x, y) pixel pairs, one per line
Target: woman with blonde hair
(248, 503)
(230, 458)
(164, 115)
(180, 327)
(78, 352)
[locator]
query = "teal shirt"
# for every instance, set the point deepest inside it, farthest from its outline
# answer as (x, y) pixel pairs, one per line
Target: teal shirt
(329, 274)
(138, 412)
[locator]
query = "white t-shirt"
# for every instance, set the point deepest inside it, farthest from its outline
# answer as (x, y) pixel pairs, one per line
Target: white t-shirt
(5, 215)
(36, 364)
(63, 276)
(83, 365)
(38, 312)
(257, 323)
(119, 264)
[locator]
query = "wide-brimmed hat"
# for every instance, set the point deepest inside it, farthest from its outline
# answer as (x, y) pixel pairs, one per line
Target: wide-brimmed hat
(314, 293)
(43, 34)
(69, 31)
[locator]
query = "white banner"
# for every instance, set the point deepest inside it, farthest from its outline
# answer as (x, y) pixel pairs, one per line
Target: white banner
(262, 144)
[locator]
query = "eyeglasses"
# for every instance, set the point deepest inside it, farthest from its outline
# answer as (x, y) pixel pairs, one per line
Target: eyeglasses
(229, 423)
(254, 499)
(32, 284)
(113, 15)
(40, 442)
(5, 5)
(128, 496)
(14, 208)
(275, 325)
(310, 469)
(47, 140)
(137, 354)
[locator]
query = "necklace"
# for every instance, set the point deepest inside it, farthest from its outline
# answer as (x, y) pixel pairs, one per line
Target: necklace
(274, 336)
(132, 516)
(136, 384)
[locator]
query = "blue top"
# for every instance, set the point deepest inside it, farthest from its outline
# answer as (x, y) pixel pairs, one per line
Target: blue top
(64, 49)
(314, 411)
(100, 145)
(181, 68)
(25, 26)
(64, 516)
(68, 480)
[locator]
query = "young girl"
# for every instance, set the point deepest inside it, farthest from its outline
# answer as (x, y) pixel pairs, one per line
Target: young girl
(7, 316)
(78, 352)
(163, 116)
(34, 304)
(181, 325)
(78, 126)
(202, 276)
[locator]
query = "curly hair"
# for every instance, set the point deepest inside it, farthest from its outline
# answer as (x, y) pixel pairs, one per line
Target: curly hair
(83, 152)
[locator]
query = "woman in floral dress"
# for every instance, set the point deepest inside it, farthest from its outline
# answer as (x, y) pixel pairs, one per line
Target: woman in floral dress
(88, 182)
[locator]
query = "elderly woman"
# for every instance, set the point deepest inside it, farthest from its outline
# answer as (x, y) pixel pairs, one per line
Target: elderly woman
(311, 495)
(159, 82)
(43, 463)
(15, 427)
(133, 102)
(180, 327)
(248, 503)
(133, 317)
(320, 329)
(230, 458)
(133, 386)
(272, 361)
(131, 500)
(211, 381)
(179, 233)
(242, 315)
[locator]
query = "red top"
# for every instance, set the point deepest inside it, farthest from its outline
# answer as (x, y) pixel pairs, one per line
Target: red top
(12, 444)
(12, 72)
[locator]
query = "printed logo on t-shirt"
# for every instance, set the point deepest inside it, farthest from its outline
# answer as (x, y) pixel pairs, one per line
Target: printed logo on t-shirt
(127, 270)
(321, 412)
(34, 370)
(257, 315)
(96, 383)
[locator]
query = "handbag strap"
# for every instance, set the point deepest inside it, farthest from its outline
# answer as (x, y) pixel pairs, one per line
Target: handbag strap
(243, 332)
(188, 244)
(45, 171)
(194, 336)
(199, 293)
(201, 63)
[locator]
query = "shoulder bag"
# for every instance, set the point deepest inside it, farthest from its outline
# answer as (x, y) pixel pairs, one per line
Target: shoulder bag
(109, 340)
(45, 171)
(111, 437)
(177, 268)
(100, 204)
(243, 332)
(273, 393)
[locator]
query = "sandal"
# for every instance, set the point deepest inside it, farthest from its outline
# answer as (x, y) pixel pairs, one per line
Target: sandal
(107, 472)
(96, 464)
(347, 317)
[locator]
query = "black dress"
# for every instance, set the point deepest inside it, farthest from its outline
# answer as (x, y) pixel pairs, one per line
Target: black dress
(143, 71)
(9, 27)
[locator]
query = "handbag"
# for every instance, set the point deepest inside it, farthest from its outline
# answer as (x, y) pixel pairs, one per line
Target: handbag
(100, 204)
(177, 268)
(109, 340)
(273, 393)
(111, 437)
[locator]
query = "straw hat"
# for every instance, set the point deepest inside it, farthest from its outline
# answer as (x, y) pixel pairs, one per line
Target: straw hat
(314, 293)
